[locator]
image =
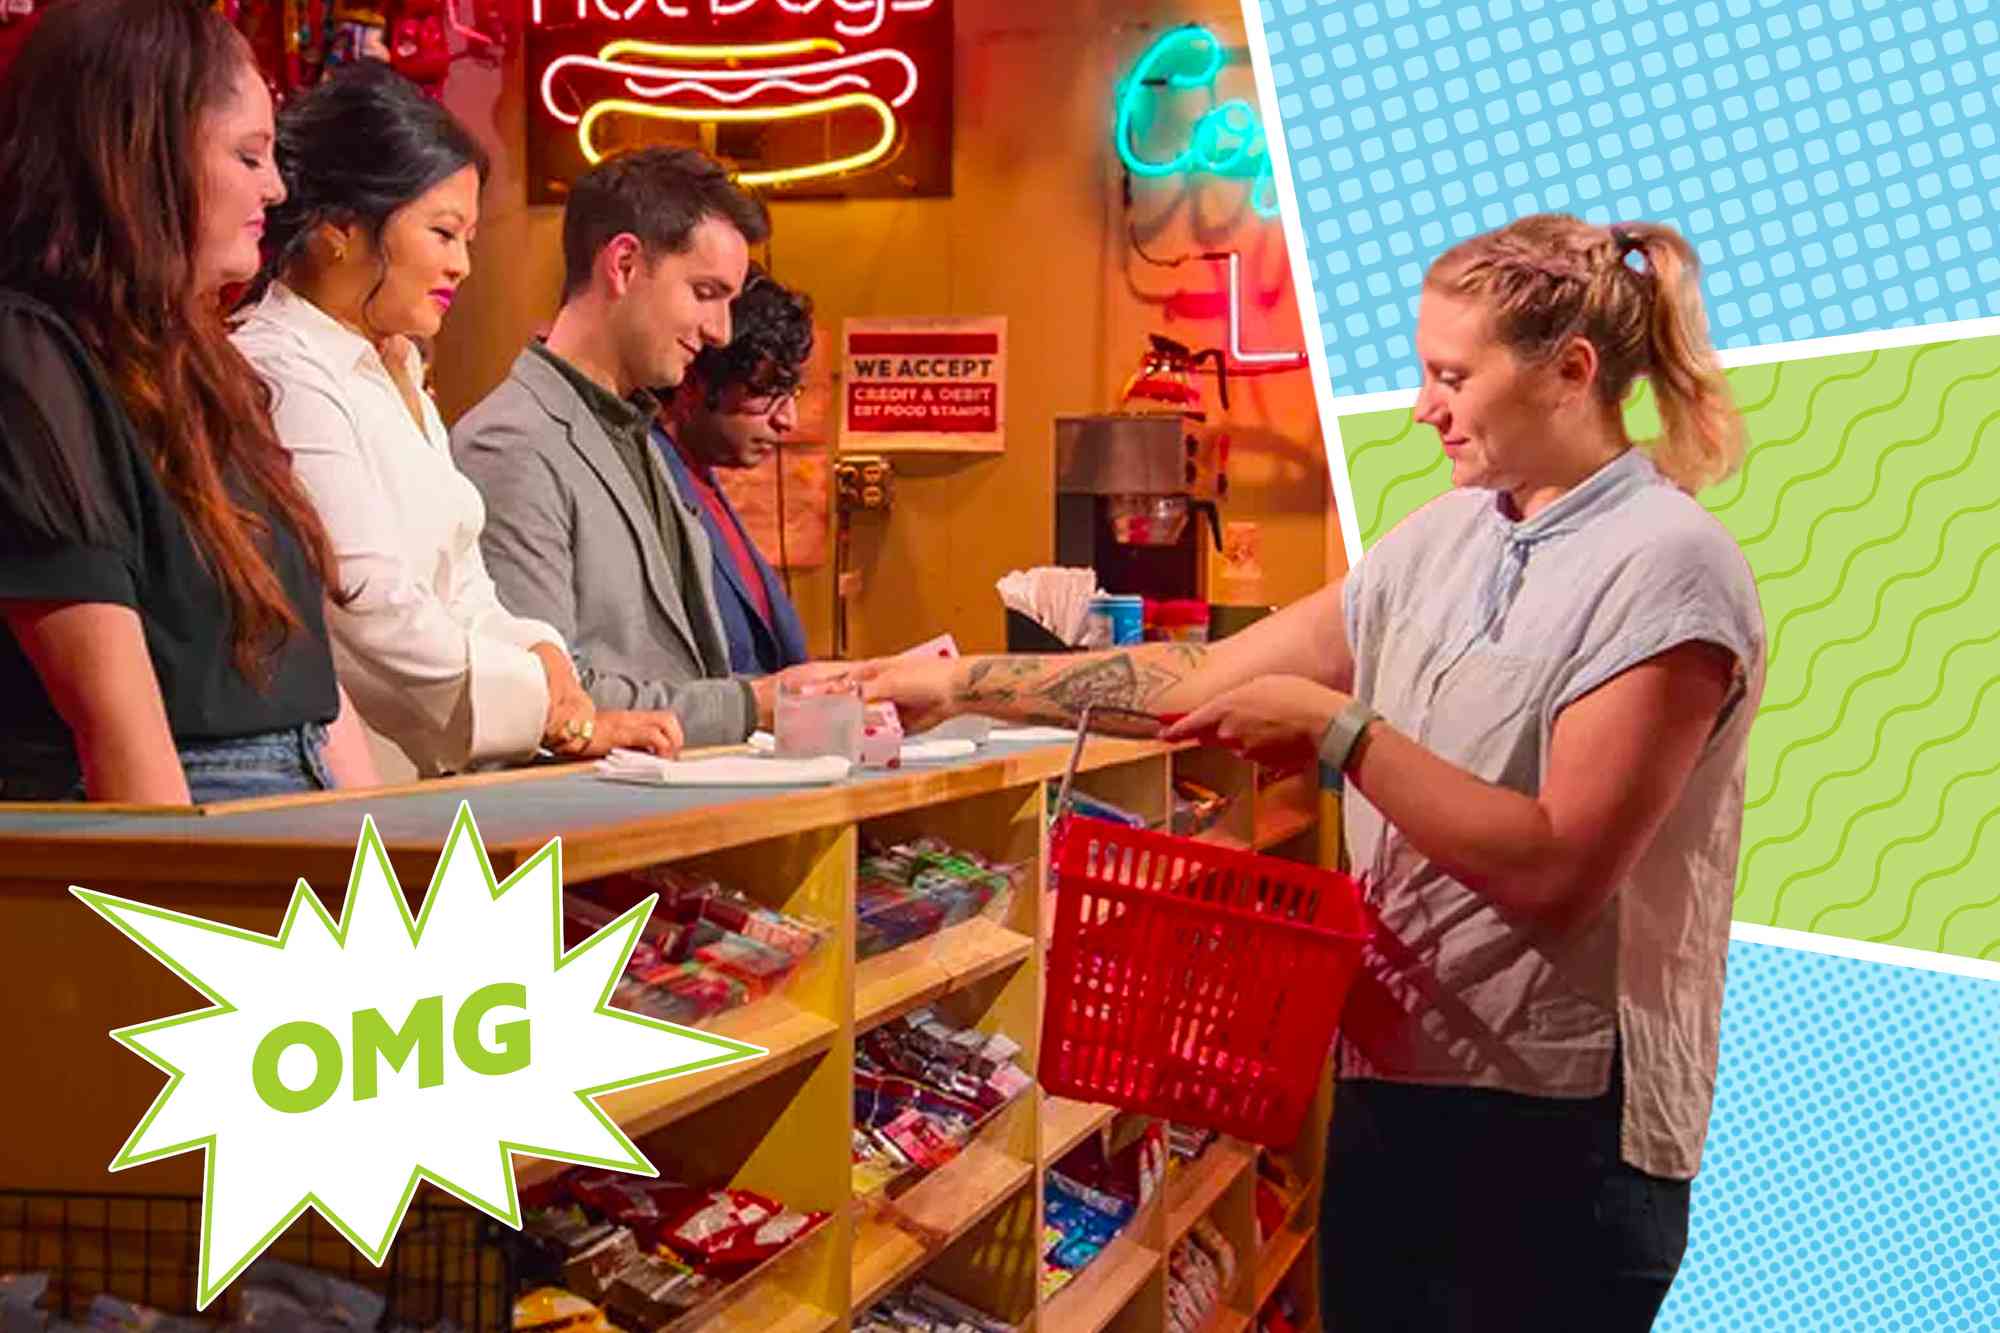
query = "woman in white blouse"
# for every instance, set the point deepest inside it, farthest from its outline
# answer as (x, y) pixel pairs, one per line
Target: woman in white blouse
(363, 257)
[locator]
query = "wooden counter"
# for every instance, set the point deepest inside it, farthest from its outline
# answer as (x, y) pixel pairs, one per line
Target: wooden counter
(605, 826)
(780, 1124)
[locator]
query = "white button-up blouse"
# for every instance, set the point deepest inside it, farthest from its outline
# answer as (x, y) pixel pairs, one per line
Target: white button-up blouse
(438, 669)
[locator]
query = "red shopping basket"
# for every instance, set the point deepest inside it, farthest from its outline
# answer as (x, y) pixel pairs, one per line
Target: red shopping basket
(1192, 981)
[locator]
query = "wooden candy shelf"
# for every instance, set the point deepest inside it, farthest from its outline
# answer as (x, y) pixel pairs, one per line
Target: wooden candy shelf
(780, 1124)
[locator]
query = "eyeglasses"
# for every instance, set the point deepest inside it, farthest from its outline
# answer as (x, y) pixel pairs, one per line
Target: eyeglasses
(770, 400)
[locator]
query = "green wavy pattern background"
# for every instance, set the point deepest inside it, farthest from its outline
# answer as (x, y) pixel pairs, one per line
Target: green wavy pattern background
(1869, 508)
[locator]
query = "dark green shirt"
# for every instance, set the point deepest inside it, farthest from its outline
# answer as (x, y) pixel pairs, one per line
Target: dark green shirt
(628, 422)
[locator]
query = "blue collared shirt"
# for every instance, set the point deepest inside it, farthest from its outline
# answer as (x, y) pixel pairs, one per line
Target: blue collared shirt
(1472, 632)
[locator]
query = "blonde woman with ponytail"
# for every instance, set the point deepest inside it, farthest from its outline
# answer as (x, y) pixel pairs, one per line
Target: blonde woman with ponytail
(1539, 689)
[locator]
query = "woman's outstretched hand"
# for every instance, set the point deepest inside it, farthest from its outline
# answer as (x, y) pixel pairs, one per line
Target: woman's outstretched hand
(1273, 719)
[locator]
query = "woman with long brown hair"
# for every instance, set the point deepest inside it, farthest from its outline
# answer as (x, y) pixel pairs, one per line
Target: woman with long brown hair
(1539, 690)
(162, 576)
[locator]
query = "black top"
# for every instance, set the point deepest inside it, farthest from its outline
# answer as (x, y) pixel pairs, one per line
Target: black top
(85, 518)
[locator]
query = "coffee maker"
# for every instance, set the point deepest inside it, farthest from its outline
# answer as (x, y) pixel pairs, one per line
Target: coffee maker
(1125, 505)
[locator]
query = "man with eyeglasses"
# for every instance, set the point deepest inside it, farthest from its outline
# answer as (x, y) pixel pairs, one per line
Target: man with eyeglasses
(733, 409)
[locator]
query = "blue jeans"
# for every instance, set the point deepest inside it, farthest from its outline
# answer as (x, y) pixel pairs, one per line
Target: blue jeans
(271, 763)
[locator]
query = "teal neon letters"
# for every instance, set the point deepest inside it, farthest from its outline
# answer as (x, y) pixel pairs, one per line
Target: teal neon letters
(1228, 140)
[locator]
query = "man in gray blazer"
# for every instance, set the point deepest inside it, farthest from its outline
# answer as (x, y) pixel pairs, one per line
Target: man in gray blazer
(584, 530)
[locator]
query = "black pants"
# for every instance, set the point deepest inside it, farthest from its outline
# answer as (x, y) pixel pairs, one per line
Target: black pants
(1450, 1209)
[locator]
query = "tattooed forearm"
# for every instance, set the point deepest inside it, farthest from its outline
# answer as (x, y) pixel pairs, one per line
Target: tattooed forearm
(1109, 680)
(1055, 689)
(997, 679)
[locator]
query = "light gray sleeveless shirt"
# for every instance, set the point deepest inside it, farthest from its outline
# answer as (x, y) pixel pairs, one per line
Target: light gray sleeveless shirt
(1471, 633)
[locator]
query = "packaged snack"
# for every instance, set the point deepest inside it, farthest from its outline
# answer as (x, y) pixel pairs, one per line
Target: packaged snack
(925, 1308)
(591, 1269)
(1218, 1246)
(698, 988)
(697, 935)
(1074, 1252)
(653, 1290)
(680, 889)
(639, 997)
(583, 917)
(20, 1297)
(1009, 1081)
(330, 1301)
(270, 1308)
(1099, 1207)
(745, 1249)
(627, 1201)
(700, 1220)
(22, 1291)
(915, 1137)
(109, 1312)
(553, 1310)
(758, 966)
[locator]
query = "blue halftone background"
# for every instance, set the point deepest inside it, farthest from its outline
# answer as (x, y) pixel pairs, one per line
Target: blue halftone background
(1835, 161)
(1852, 1176)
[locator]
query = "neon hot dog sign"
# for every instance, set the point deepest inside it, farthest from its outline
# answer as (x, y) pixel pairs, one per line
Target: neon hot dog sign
(853, 18)
(1227, 140)
(872, 71)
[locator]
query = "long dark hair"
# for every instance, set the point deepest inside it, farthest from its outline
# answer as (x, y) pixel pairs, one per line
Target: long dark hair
(100, 123)
(355, 149)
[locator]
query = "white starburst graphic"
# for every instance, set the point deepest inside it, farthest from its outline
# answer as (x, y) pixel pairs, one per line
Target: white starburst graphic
(343, 1061)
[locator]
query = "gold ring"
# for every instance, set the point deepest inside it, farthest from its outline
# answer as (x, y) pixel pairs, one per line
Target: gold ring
(589, 728)
(573, 729)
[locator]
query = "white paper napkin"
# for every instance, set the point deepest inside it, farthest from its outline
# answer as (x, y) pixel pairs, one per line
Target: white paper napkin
(1031, 735)
(723, 771)
(930, 752)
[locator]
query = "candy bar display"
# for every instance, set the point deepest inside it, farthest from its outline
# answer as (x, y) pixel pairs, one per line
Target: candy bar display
(1090, 1196)
(876, 955)
(1078, 1222)
(914, 889)
(648, 1251)
(703, 950)
(1199, 1271)
(921, 1087)
(925, 1309)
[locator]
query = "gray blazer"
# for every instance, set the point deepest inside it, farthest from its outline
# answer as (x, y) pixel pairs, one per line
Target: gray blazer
(566, 539)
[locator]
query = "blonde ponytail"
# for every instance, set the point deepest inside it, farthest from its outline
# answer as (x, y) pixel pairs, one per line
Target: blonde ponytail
(1702, 439)
(1550, 277)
